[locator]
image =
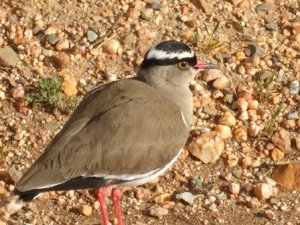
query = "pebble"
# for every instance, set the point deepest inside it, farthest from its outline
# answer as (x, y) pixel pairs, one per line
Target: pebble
(224, 131)
(8, 57)
(91, 36)
(161, 198)
(14, 174)
(241, 105)
(112, 46)
(156, 6)
(256, 50)
(85, 210)
(146, 13)
(281, 139)
(227, 119)
(142, 193)
(213, 207)
(272, 26)
(62, 44)
(270, 214)
(187, 197)
(61, 60)
(208, 147)
(264, 7)
(221, 83)
(235, 188)
(293, 115)
(287, 176)
(263, 191)
(253, 130)
(51, 39)
(221, 196)
(157, 211)
(212, 74)
(294, 87)
(17, 91)
(237, 171)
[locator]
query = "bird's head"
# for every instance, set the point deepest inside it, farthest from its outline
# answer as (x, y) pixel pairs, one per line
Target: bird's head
(173, 61)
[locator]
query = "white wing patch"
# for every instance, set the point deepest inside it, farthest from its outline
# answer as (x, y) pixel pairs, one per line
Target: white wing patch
(161, 55)
(186, 124)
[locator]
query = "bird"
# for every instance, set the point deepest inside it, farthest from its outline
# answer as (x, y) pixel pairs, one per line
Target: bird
(124, 133)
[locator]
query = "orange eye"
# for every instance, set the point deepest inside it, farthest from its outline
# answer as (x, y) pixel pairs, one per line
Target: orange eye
(182, 65)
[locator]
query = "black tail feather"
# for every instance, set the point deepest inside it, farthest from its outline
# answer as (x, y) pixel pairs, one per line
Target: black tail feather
(73, 184)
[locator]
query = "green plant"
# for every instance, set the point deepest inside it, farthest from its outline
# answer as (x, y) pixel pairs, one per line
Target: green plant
(265, 85)
(49, 93)
(1, 151)
(271, 123)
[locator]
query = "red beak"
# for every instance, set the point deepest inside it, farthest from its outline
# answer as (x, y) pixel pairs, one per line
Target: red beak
(205, 65)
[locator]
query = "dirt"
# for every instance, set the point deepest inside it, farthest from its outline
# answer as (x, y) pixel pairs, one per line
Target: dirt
(223, 32)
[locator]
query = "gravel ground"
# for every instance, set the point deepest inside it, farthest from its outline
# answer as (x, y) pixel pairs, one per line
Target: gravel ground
(246, 117)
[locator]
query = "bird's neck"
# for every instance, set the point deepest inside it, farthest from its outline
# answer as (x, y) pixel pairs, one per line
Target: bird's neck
(181, 94)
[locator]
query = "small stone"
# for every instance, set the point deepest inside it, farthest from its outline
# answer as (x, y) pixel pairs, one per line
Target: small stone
(207, 8)
(11, 207)
(142, 193)
(91, 36)
(265, 7)
(263, 191)
(240, 55)
(53, 29)
(17, 91)
(208, 147)
(69, 86)
(237, 172)
(254, 203)
(227, 119)
(253, 130)
(256, 50)
(293, 115)
(210, 111)
(61, 60)
(272, 26)
(235, 188)
(221, 83)
(8, 57)
(62, 44)
(14, 174)
(85, 210)
(187, 197)
(224, 131)
(294, 87)
(281, 139)
(36, 51)
(157, 211)
(146, 13)
(228, 98)
(112, 46)
(241, 105)
(244, 116)
(162, 198)
(240, 134)
(52, 39)
(246, 162)
(287, 176)
(270, 214)
(252, 104)
(212, 74)
(156, 6)
(221, 197)
(213, 207)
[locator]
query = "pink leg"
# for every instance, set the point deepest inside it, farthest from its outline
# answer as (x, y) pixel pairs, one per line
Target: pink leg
(101, 193)
(116, 197)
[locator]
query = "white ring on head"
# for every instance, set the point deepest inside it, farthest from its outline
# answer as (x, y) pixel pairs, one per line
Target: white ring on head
(161, 55)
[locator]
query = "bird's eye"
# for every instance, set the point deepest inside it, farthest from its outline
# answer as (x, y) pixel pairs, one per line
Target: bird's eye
(182, 65)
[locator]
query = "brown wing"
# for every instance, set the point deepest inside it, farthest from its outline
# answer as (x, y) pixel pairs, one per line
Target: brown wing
(114, 131)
